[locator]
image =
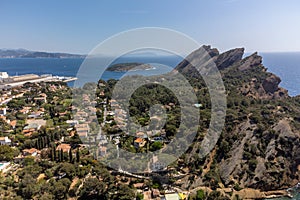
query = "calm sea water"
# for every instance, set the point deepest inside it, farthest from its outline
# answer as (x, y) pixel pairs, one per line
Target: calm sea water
(285, 65)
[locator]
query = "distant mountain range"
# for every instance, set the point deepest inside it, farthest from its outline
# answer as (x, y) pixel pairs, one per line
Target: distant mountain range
(23, 53)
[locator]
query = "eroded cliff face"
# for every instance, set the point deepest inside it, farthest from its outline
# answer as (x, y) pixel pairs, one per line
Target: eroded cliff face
(274, 166)
(264, 87)
(260, 145)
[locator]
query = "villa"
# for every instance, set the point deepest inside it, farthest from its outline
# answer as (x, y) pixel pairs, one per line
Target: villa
(4, 165)
(35, 124)
(64, 147)
(82, 129)
(139, 142)
(5, 141)
(30, 152)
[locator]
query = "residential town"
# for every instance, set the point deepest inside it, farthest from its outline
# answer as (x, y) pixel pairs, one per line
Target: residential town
(40, 124)
(58, 142)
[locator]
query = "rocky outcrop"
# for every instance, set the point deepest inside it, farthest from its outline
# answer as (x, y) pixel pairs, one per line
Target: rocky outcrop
(222, 61)
(268, 89)
(271, 83)
(201, 55)
(250, 61)
(229, 58)
(211, 51)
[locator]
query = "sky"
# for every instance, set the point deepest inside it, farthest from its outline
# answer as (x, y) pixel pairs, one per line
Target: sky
(79, 26)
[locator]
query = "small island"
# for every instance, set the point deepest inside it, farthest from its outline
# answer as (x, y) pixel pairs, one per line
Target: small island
(124, 67)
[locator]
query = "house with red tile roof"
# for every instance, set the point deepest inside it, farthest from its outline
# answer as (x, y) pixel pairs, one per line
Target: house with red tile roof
(64, 147)
(13, 124)
(30, 152)
(139, 142)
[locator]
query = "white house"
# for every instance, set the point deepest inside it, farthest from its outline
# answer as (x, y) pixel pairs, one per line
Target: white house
(2, 111)
(5, 141)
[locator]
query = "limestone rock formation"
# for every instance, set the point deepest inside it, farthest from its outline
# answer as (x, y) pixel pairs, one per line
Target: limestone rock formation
(229, 58)
(250, 61)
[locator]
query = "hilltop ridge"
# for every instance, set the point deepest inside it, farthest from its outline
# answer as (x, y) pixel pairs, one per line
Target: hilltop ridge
(23, 53)
(259, 147)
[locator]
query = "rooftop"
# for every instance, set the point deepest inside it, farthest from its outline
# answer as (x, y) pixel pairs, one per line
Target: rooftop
(30, 151)
(64, 147)
(139, 140)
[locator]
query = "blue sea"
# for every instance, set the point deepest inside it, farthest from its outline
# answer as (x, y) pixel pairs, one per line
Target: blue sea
(285, 65)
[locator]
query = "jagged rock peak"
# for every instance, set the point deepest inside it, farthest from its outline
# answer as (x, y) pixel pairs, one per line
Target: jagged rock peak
(250, 61)
(229, 58)
(202, 55)
(211, 51)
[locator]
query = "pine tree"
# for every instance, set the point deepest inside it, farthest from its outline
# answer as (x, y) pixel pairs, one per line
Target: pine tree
(52, 137)
(54, 151)
(61, 155)
(48, 141)
(45, 141)
(42, 142)
(56, 136)
(70, 156)
(36, 144)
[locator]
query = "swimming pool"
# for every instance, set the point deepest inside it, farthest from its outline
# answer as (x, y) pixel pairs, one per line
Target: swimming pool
(3, 165)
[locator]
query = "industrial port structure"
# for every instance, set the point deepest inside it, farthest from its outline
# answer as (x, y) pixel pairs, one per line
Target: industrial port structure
(7, 81)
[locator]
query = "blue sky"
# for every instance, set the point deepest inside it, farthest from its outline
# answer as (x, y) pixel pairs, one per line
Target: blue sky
(78, 26)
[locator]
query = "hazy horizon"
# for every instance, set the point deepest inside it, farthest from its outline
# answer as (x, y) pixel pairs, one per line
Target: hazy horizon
(246, 53)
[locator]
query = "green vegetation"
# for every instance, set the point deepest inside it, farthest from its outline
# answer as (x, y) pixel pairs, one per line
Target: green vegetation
(50, 174)
(8, 153)
(123, 67)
